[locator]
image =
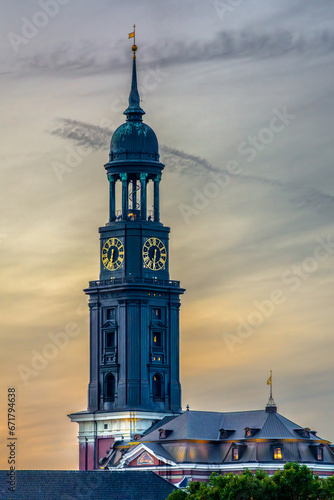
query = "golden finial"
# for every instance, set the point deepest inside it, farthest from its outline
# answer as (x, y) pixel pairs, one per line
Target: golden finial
(134, 46)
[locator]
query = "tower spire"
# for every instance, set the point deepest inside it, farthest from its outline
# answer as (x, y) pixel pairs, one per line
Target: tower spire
(134, 112)
(271, 405)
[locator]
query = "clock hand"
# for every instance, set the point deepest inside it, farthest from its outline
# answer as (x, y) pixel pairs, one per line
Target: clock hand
(155, 255)
(112, 254)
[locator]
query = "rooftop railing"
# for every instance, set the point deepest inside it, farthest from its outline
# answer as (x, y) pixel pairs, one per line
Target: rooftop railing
(133, 215)
(129, 280)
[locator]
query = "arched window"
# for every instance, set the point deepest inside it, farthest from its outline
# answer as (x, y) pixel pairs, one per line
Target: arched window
(278, 455)
(109, 387)
(157, 388)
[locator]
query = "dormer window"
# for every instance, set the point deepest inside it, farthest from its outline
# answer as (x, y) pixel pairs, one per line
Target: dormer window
(304, 432)
(278, 453)
(250, 431)
(164, 433)
(317, 451)
(225, 433)
(238, 450)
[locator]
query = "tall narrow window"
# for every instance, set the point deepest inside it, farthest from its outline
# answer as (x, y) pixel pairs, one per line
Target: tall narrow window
(235, 454)
(157, 339)
(320, 453)
(109, 389)
(156, 313)
(157, 386)
(278, 455)
(111, 313)
(110, 339)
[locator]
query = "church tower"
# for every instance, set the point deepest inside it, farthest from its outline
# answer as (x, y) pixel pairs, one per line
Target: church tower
(134, 306)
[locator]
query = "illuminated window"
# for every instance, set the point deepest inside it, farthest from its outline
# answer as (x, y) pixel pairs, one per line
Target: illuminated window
(144, 459)
(235, 454)
(278, 453)
(320, 453)
(157, 339)
(156, 313)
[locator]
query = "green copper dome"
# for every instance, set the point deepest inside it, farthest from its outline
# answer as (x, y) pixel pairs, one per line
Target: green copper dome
(134, 140)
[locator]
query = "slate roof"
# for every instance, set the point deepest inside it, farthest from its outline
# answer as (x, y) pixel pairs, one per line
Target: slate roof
(194, 437)
(203, 425)
(160, 451)
(99, 485)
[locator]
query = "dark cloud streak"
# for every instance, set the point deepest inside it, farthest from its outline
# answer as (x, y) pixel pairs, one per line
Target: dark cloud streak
(83, 134)
(95, 138)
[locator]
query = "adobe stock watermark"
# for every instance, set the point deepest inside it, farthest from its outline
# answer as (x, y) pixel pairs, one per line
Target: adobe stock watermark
(41, 358)
(74, 155)
(249, 148)
(73, 158)
(86, 486)
(293, 278)
(223, 7)
(31, 27)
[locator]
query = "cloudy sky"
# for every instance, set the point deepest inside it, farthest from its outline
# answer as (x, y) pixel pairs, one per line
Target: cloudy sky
(240, 94)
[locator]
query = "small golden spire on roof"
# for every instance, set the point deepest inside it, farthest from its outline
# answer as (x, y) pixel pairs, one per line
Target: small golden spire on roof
(271, 405)
(134, 46)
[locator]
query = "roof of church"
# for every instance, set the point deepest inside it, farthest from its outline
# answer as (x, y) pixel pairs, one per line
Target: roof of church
(101, 485)
(204, 425)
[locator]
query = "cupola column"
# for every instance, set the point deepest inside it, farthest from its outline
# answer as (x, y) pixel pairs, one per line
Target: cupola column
(112, 200)
(134, 194)
(124, 179)
(156, 202)
(143, 196)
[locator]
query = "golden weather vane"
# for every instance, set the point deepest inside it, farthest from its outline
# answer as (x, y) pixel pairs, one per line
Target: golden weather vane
(134, 46)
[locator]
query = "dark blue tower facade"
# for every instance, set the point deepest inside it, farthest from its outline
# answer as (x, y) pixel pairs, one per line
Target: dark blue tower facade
(134, 306)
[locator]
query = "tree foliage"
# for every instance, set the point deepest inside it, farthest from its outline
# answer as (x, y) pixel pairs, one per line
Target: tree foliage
(294, 482)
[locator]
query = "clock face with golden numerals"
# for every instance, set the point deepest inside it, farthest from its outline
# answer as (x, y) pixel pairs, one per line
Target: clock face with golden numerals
(154, 254)
(112, 254)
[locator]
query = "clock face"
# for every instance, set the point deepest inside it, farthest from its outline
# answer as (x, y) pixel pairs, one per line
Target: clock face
(112, 254)
(154, 254)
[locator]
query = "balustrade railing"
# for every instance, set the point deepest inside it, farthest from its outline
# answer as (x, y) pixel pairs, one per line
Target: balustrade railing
(134, 280)
(133, 215)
